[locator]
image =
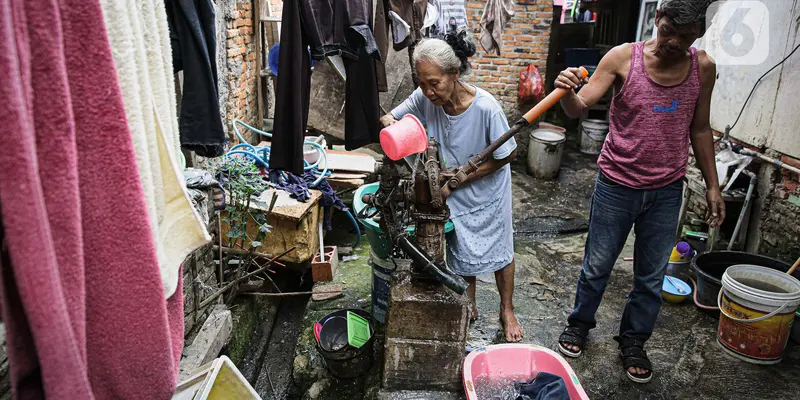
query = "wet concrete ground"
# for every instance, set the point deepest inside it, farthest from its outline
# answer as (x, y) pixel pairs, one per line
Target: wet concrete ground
(550, 219)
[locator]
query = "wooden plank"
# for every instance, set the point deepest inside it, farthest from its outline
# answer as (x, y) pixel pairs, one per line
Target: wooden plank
(339, 160)
(285, 234)
(345, 175)
(350, 161)
(339, 185)
(285, 206)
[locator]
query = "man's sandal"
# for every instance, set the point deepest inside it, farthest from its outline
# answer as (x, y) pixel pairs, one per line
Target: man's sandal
(573, 335)
(633, 355)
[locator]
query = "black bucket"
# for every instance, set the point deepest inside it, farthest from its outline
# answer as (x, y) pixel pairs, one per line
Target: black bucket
(349, 362)
(711, 266)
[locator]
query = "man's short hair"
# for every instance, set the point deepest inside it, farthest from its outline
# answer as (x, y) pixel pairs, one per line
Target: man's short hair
(686, 12)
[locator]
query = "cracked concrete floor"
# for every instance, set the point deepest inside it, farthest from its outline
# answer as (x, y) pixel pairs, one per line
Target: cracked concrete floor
(688, 362)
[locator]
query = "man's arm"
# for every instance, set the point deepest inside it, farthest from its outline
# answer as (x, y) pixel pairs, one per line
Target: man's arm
(703, 141)
(577, 104)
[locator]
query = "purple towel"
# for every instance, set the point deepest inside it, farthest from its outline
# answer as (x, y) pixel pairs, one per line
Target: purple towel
(80, 288)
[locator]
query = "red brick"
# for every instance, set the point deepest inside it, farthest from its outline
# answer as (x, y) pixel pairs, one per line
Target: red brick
(500, 62)
(790, 185)
(790, 161)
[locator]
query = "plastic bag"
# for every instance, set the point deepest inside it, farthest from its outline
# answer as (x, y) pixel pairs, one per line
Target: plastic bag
(199, 179)
(531, 86)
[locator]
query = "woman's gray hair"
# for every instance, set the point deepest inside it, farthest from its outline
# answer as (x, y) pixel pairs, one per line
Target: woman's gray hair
(438, 53)
(451, 55)
(686, 12)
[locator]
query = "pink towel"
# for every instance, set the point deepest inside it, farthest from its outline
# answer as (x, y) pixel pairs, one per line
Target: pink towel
(80, 290)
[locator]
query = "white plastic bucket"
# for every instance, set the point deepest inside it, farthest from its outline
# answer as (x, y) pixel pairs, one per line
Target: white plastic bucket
(544, 153)
(757, 306)
(593, 135)
(311, 153)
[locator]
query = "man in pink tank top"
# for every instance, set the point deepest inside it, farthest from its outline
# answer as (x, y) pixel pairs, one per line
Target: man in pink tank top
(661, 106)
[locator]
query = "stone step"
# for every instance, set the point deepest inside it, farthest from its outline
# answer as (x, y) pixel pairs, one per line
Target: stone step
(422, 365)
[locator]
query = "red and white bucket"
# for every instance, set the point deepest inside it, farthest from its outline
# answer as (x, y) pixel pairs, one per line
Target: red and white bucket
(757, 306)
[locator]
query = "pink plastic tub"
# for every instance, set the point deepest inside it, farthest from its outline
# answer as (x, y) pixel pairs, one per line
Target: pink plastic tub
(404, 138)
(510, 363)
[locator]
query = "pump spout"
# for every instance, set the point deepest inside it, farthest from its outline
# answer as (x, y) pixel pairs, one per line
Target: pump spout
(423, 260)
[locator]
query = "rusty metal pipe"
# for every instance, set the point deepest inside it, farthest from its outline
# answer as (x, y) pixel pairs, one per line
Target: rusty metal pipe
(464, 172)
(424, 261)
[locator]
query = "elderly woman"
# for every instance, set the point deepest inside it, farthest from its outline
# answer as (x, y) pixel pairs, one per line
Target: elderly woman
(464, 120)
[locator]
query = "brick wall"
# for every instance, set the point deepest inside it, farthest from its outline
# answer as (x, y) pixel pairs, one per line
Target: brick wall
(526, 40)
(780, 223)
(240, 66)
(200, 277)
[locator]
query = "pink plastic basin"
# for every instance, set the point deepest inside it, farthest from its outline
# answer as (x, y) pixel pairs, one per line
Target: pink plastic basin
(517, 363)
(404, 138)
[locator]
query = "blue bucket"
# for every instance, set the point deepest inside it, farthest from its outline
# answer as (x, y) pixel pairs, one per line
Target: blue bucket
(382, 270)
(273, 55)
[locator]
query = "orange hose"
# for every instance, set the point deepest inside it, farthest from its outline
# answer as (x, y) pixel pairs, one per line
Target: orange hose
(549, 101)
(697, 303)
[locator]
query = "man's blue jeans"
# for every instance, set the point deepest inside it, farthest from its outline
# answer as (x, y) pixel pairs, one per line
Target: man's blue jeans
(615, 210)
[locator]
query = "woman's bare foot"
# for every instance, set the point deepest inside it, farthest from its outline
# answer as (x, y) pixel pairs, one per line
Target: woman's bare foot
(511, 327)
(474, 312)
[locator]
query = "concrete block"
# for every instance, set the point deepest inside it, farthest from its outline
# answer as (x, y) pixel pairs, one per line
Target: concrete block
(213, 336)
(422, 365)
(424, 311)
(417, 395)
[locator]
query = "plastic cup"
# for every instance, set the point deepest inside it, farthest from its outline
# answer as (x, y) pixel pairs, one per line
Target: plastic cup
(404, 138)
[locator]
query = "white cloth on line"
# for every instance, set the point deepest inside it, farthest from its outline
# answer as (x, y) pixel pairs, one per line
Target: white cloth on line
(400, 29)
(140, 43)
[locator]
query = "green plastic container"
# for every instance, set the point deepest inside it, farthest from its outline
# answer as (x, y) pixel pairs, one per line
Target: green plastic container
(358, 332)
(378, 240)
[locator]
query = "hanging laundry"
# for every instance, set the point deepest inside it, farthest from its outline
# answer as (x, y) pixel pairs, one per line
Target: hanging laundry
(194, 51)
(139, 36)
(400, 29)
(495, 17)
(382, 41)
(411, 13)
(81, 293)
(452, 17)
(431, 14)
(292, 94)
(351, 37)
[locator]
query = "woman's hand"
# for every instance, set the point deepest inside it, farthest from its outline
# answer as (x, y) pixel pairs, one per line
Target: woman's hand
(387, 120)
(569, 79)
